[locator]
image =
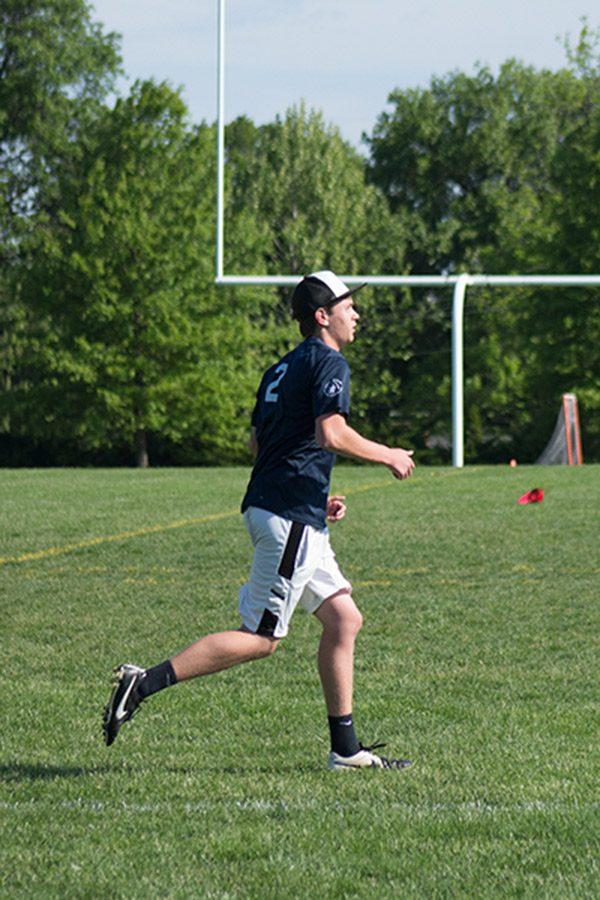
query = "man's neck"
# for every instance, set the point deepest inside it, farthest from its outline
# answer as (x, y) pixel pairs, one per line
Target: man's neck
(323, 335)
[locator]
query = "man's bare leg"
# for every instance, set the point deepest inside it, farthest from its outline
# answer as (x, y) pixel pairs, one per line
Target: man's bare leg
(210, 654)
(341, 620)
(223, 650)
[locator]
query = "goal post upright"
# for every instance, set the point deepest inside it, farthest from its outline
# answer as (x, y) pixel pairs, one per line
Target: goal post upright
(459, 282)
(458, 427)
(220, 139)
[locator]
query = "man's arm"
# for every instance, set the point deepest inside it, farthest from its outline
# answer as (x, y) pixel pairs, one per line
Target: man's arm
(333, 433)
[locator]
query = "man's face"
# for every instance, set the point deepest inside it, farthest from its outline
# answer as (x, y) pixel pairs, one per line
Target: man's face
(342, 322)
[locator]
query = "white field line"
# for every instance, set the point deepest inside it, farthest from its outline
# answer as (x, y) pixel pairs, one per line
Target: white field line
(468, 809)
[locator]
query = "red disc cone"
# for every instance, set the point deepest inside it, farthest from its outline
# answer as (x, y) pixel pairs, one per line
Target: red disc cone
(535, 495)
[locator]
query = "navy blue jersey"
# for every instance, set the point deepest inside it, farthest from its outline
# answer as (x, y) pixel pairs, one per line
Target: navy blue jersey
(292, 473)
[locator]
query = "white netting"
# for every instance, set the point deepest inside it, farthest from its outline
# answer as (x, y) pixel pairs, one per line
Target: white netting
(556, 449)
(564, 436)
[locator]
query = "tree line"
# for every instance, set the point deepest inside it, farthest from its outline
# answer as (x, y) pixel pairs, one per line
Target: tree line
(117, 348)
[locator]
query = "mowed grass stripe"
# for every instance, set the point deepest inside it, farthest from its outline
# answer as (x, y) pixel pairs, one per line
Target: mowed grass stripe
(146, 530)
(111, 538)
(73, 546)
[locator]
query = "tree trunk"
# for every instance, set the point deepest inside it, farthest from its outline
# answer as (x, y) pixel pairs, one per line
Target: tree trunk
(141, 449)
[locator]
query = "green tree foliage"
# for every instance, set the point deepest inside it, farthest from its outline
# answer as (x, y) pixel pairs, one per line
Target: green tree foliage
(116, 344)
(483, 171)
(467, 162)
(56, 67)
(566, 325)
(305, 188)
(128, 338)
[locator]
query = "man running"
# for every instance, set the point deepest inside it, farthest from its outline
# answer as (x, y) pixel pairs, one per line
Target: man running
(298, 425)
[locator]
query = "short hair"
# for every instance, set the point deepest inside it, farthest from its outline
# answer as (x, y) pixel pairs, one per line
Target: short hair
(308, 326)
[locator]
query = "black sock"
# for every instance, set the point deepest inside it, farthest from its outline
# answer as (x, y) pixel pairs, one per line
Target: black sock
(343, 738)
(157, 678)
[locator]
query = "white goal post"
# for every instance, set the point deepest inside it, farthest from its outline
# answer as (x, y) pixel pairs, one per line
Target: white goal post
(460, 283)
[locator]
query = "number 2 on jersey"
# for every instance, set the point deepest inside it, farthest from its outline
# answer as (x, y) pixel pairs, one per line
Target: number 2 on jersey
(271, 395)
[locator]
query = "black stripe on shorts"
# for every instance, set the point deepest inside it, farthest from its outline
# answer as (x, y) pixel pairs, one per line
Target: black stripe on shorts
(267, 624)
(288, 560)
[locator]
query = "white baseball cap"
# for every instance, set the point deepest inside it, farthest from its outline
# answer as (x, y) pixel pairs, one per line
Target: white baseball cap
(317, 290)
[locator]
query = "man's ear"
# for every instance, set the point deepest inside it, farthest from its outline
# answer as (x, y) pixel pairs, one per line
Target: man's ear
(322, 317)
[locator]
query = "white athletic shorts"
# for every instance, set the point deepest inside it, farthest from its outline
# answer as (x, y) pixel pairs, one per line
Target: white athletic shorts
(293, 564)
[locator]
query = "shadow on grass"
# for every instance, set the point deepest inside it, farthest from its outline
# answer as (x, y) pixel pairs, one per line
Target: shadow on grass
(14, 772)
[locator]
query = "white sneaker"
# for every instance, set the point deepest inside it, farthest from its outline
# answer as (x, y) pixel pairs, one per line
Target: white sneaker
(365, 759)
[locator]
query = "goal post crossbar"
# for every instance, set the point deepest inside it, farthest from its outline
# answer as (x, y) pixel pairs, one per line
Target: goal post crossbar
(419, 280)
(459, 282)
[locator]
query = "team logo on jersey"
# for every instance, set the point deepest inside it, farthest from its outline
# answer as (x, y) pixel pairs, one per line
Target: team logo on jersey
(333, 387)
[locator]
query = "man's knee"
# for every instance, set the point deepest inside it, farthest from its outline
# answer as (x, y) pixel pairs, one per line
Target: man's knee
(268, 645)
(273, 644)
(355, 619)
(344, 619)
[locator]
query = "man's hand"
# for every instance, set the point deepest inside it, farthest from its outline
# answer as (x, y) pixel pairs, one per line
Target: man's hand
(400, 462)
(336, 508)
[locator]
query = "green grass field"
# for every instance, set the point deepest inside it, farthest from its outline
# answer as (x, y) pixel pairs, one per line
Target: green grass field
(478, 660)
